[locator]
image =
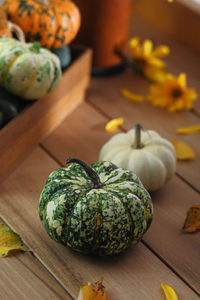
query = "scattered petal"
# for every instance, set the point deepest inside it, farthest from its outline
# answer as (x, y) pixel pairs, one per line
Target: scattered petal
(189, 129)
(169, 292)
(183, 151)
(131, 96)
(93, 292)
(192, 221)
(113, 124)
(9, 240)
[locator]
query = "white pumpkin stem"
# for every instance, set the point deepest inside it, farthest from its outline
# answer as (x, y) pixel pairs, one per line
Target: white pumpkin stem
(17, 30)
(138, 144)
(45, 2)
(90, 172)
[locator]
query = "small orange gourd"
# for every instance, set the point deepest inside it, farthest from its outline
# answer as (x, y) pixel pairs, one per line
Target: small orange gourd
(53, 23)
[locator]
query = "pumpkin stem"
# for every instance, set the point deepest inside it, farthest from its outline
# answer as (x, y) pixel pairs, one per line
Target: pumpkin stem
(17, 30)
(45, 2)
(138, 144)
(90, 172)
(35, 48)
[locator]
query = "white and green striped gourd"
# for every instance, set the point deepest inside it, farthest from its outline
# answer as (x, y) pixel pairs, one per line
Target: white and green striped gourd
(101, 209)
(27, 70)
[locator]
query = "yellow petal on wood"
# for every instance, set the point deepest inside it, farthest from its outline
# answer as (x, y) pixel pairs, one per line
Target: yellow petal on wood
(189, 129)
(113, 124)
(169, 292)
(183, 151)
(192, 221)
(9, 240)
(92, 292)
(131, 96)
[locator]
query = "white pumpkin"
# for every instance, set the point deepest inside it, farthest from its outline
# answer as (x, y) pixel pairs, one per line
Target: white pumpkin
(151, 157)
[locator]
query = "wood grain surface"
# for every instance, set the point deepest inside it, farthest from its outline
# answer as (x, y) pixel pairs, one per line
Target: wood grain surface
(33, 124)
(180, 59)
(109, 101)
(135, 274)
(167, 254)
(171, 202)
(22, 277)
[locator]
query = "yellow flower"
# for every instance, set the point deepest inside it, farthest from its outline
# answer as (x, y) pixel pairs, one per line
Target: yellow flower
(172, 93)
(147, 59)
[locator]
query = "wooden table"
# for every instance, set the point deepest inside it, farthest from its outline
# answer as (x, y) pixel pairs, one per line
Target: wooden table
(51, 271)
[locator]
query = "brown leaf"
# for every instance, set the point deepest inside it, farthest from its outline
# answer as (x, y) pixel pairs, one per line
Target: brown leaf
(192, 221)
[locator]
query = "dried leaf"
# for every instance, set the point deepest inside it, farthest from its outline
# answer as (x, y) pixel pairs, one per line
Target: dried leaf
(9, 240)
(131, 96)
(169, 292)
(113, 124)
(188, 130)
(183, 151)
(93, 292)
(192, 221)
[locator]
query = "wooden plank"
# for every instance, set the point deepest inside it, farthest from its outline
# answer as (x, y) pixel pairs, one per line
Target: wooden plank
(171, 202)
(105, 95)
(22, 277)
(180, 59)
(171, 18)
(25, 131)
(135, 274)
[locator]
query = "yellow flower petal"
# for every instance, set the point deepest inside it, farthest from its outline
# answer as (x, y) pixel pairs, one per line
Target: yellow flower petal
(169, 292)
(183, 151)
(156, 62)
(147, 47)
(131, 96)
(134, 42)
(9, 240)
(155, 74)
(113, 124)
(161, 51)
(144, 55)
(188, 130)
(182, 79)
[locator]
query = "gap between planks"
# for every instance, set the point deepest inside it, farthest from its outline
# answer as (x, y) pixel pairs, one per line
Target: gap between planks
(107, 116)
(143, 242)
(98, 110)
(38, 261)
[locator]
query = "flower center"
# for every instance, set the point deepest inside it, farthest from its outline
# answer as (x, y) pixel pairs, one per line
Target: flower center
(139, 63)
(176, 93)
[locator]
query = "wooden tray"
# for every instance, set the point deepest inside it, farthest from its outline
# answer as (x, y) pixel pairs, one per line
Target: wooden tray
(40, 118)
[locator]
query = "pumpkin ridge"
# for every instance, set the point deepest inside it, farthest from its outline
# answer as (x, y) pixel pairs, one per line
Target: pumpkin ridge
(127, 211)
(11, 64)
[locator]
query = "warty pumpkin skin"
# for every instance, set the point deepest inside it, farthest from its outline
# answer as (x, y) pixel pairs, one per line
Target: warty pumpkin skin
(103, 218)
(151, 157)
(27, 70)
(53, 25)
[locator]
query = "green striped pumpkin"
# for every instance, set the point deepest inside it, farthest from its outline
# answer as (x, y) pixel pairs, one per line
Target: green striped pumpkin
(27, 70)
(100, 209)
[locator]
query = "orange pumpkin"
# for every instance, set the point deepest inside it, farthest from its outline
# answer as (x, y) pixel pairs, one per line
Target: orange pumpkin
(53, 23)
(5, 30)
